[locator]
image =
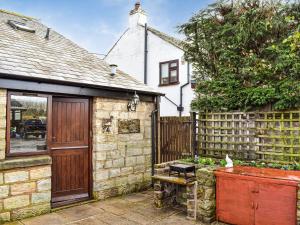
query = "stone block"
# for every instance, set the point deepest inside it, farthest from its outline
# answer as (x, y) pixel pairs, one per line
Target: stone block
(134, 151)
(119, 162)
(103, 185)
(210, 194)
(98, 165)
(4, 190)
(126, 170)
(139, 169)
(16, 202)
(100, 156)
(44, 197)
(207, 205)
(105, 147)
(108, 164)
(39, 173)
(206, 177)
(114, 172)
(1, 178)
(121, 181)
(22, 188)
(140, 160)
(17, 176)
(44, 185)
(4, 217)
(30, 211)
(101, 175)
(130, 161)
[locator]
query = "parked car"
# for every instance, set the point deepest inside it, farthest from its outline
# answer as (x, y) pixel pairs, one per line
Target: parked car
(35, 127)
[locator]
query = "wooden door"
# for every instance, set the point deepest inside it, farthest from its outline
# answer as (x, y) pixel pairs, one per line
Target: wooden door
(70, 150)
(235, 204)
(275, 204)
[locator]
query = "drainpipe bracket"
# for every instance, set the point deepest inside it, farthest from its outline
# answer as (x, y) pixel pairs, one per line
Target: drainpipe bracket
(180, 108)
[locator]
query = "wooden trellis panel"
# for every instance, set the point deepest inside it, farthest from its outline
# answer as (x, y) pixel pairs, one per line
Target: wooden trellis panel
(268, 136)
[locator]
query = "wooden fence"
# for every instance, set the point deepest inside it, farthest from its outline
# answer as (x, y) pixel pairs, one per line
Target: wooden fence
(175, 138)
(267, 136)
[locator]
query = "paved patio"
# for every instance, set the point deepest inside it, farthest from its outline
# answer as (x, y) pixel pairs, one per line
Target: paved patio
(127, 210)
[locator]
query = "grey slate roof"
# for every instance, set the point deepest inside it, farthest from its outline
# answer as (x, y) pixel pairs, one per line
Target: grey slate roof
(172, 40)
(30, 55)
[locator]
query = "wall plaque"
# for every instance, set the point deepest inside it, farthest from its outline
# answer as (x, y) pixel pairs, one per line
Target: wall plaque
(129, 126)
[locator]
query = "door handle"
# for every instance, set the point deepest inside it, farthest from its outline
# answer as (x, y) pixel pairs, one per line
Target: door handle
(256, 206)
(252, 205)
(53, 138)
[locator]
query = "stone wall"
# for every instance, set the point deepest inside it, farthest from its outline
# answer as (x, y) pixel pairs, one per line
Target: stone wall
(206, 192)
(24, 192)
(122, 162)
(2, 122)
(206, 211)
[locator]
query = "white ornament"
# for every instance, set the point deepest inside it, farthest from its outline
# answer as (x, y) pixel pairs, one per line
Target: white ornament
(229, 162)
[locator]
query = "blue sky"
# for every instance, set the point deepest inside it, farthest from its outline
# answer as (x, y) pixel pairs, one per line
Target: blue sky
(97, 24)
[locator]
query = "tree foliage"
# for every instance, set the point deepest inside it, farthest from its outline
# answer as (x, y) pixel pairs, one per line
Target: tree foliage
(246, 55)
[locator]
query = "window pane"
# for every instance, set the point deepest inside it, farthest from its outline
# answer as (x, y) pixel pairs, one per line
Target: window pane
(28, 124)
(165, 73)
(173, 64)
(173, 77)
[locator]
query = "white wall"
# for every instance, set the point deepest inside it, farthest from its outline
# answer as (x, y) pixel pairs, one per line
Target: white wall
(128, 54)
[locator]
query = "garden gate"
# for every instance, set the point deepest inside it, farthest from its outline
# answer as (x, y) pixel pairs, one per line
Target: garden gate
(176, 135)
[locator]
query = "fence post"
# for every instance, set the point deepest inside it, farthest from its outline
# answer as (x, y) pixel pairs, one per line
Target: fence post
(194, 134)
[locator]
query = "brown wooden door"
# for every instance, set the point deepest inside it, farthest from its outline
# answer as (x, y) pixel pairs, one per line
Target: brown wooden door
(70, 150)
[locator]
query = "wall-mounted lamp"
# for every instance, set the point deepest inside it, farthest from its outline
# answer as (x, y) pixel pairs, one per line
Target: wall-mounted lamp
(113, 68)
(132, 104)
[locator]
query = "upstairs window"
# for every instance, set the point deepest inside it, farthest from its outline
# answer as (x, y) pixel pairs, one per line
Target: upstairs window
(169, 72)
(27, 123)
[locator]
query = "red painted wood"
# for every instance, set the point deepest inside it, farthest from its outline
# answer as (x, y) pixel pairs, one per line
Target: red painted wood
(70, 149)
(234, 204)
(248, 195)
(276, 205)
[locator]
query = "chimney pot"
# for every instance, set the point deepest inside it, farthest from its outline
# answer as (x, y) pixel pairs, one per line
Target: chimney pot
(137, 5)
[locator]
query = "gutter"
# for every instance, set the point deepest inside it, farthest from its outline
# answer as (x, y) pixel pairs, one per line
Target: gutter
(181, 108)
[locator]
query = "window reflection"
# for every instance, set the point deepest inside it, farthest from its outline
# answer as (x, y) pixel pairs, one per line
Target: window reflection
(28, 124)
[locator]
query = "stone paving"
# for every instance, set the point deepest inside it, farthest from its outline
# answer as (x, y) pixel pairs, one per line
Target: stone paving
(126, 210)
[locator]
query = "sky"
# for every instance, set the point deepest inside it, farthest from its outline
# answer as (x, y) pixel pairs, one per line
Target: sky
(97, 24)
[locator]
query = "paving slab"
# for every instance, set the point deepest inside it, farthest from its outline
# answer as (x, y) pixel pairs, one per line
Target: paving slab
(133, 209)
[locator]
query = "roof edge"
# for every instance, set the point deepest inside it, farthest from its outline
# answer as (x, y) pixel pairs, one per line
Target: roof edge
(70, 83)
(16, 14)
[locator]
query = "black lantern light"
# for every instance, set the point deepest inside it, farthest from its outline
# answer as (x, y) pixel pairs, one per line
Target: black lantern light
(133, 102)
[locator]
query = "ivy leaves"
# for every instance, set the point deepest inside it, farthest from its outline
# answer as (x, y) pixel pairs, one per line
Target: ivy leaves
(246, 55)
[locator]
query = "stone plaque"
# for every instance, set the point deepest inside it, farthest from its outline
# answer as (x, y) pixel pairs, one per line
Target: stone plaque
(129, 126)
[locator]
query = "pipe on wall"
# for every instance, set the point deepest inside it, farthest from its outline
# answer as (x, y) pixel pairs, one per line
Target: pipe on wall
(180, 108)
(146, 56)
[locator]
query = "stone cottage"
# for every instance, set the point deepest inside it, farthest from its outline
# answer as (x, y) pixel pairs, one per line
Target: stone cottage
(72, 128)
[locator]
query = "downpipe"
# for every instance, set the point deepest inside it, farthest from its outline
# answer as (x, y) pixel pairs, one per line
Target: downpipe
(153, 144)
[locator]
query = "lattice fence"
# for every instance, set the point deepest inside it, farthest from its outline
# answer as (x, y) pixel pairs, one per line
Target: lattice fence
(268, 136)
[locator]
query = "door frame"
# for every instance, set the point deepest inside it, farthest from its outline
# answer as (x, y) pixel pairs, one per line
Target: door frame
(90, 150)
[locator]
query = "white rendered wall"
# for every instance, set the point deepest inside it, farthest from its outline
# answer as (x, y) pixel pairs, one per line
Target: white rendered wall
(128, 54)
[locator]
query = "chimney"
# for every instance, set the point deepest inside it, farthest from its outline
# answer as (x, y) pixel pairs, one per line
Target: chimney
(137, 16)
(137, 6)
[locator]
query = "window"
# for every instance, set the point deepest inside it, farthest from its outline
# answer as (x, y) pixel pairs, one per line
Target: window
(169, 72)
(27, 123)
